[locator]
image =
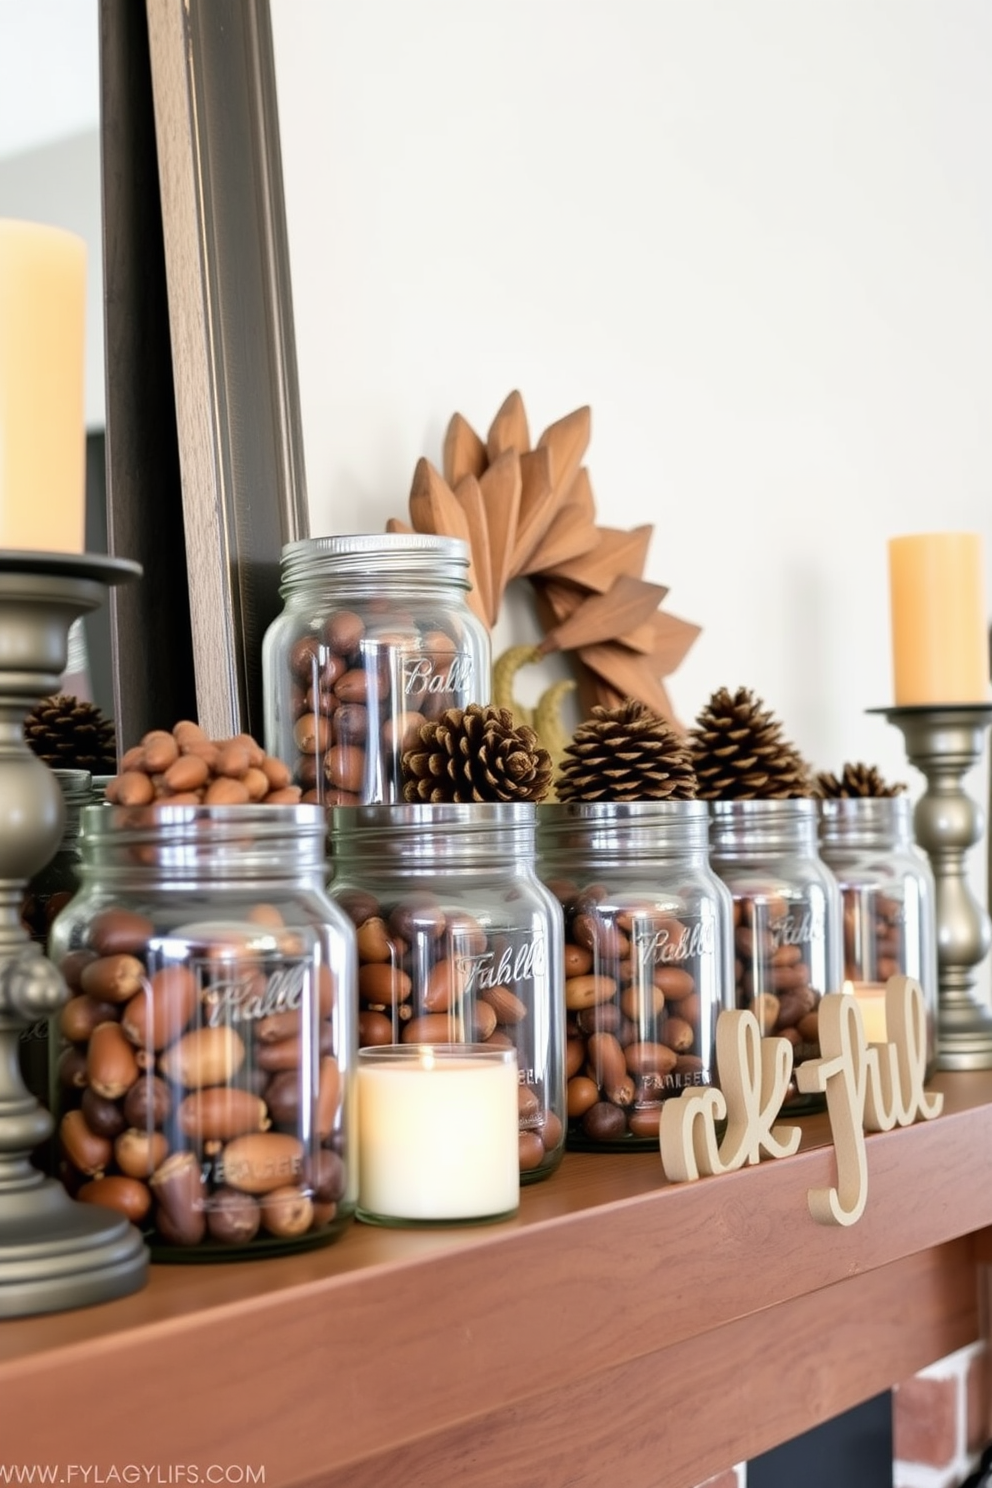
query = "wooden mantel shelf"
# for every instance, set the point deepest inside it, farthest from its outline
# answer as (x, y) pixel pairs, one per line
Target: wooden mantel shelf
(620, 1329)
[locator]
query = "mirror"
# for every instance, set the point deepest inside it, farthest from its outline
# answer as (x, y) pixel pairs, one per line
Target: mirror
(205, 484)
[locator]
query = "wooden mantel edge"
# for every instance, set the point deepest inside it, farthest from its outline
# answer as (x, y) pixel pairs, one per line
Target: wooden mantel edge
(689, 1410)
(192, 1299)
(418, 1324)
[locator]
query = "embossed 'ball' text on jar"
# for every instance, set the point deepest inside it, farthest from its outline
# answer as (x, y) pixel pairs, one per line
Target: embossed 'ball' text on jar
(647, 960)
(459, 943)
(889, 903)
(375, 638)
(203, 1083)
(787, 917)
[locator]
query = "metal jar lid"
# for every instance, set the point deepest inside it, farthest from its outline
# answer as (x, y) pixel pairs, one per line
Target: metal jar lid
(865, 821)
(623, 830)
(374, 554)
(746, 829)
(212, 843)
(421, 835)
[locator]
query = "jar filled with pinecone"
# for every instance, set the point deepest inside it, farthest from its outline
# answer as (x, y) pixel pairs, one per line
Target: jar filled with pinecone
(459, 943)
(887, 893)
(763, 844)
(376, 639)
(786, 915)
(648, 959)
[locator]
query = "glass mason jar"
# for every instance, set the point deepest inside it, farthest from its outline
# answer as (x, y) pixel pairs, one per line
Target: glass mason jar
(459, 943)
(46, 894)
(889, 903)
(204, 1083)
(647, 960)
(786, 919)
(376, 636)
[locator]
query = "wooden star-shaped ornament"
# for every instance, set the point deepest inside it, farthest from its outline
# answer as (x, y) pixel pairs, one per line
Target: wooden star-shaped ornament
(527, 511)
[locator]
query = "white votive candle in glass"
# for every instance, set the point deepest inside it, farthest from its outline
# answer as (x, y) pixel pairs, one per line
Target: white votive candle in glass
(437, 1133)
(870, 997)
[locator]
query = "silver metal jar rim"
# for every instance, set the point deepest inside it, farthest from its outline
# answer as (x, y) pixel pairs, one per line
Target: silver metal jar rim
(419, 834)
(865, 821)
(747, 828)
(414, 554)
(622, 829)
(192, 842)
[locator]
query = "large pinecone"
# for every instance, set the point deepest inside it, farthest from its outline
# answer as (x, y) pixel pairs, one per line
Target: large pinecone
(856, 780)
(476, 754)
(70, 734)
(627, 753)
(740, 754)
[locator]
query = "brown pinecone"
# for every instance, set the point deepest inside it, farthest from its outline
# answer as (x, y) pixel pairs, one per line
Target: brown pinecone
(70, 734)
(476, 754)
(626, 753)
(739, 752)
(856, 780)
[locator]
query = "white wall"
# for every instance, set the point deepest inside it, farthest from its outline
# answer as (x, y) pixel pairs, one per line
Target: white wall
(49, 71)
(754, 236)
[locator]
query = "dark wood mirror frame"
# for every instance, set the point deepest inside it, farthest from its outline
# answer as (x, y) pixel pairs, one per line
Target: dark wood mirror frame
(204, 448)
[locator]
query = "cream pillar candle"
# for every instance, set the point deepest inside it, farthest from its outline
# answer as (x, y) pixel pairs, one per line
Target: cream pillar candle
(940, 627)
(437, 1133)
(42, 434)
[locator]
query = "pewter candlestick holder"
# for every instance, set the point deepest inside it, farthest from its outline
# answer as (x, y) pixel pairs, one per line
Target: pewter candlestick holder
(945, 742)
(54, 1252)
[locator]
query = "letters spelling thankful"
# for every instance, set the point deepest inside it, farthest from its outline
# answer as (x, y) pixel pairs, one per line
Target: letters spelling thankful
(868, 1087)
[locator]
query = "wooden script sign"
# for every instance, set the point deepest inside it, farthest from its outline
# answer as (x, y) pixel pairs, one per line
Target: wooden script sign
(868, 1088)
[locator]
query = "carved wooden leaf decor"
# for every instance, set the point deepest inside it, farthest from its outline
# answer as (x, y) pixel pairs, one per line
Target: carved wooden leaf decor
(602, 617)
(527, 510)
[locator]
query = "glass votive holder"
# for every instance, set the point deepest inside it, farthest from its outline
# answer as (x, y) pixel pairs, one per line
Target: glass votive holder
(870, 997)
(438, 1134)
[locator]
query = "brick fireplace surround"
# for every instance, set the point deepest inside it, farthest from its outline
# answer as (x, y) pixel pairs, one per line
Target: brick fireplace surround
(941, 1422)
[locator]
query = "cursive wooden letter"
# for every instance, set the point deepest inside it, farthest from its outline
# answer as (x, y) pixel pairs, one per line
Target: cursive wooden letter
(754, 1074)
(842, 1073)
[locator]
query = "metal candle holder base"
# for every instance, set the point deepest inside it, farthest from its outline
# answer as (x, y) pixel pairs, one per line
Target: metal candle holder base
(945, 743)
(54, 1253)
